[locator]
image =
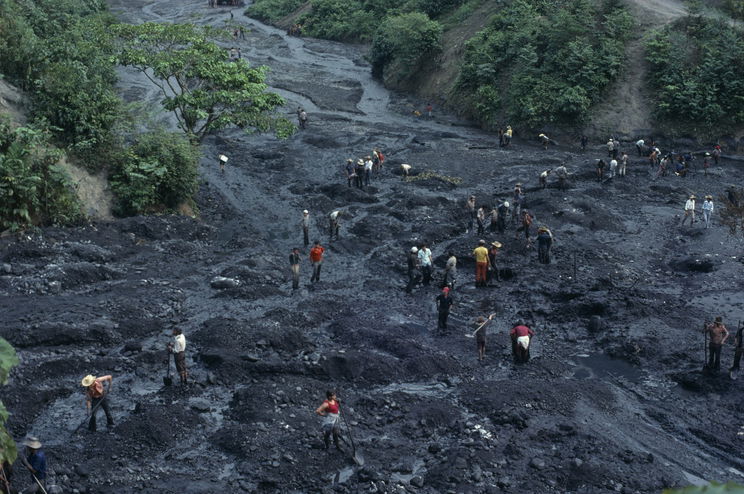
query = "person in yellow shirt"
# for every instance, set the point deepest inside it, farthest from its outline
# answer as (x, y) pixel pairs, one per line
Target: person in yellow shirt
(481, 264)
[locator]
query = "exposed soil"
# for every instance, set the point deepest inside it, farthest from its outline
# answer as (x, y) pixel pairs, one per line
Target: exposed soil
(622, 407)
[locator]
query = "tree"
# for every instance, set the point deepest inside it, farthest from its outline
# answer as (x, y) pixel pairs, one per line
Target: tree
(8, 360)
(203, 88)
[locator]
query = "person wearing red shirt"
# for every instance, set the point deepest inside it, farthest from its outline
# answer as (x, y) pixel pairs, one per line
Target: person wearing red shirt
(330, 411)
(521, 337)
(316, 259)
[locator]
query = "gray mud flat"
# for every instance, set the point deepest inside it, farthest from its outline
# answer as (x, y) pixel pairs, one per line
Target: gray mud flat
(622, 409)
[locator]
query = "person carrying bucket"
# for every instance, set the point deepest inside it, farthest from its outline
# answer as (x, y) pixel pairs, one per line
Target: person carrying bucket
(331, 413)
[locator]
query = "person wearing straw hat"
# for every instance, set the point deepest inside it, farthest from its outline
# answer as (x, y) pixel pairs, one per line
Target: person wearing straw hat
(544, 140)
(707, 210)
(480, 335)
(305, 222)
(493, 269)
(414, 269)
(97, 397)
(689, 210)
(35, 462)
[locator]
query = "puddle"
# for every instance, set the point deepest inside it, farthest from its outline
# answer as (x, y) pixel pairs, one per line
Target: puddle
(599, 365)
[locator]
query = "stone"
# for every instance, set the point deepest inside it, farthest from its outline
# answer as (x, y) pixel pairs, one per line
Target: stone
(221, 283)
(417, 481)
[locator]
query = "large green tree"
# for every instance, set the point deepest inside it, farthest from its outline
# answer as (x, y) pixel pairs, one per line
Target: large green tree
(8, 360)
(203, 88)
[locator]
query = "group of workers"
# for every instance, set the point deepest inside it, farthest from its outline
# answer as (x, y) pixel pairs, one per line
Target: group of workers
(361, 172)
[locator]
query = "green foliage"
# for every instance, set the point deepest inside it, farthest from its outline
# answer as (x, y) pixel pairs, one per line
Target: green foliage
(205, 91)
(8, 360)
(403, 43)
(158, 170)
(697, 74)
(735, 8)
(33, 187)
(272, 10)
(713, 488)
(543, 62)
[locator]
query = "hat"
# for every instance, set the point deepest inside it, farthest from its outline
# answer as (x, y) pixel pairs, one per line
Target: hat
(223, 158)
(88, 380)
(518, 184)
(710, 198)
(405, 166)
(369, 157)
(445, 289)
(481, 242)
(506, 204)
(414, 249)
(360, 161)
(542, 228)
(305, 211)
(480, 320)
(692, 196)
(496, 244)
(707, 154)
(350, 160)
(32, 442)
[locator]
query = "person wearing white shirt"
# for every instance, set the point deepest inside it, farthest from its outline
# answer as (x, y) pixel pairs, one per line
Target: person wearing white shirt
(613, 167)
(368, 169)
(178, 349)
(707, 210)
(639, 146)
(689, 210)
(425, 261)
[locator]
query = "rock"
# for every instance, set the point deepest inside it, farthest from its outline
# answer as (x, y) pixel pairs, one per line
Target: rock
(434, 448)
(200, 405)
(82, 470)
(537, 464)
(7, 268)
(417, 481)
(221, 283)
(595, 323)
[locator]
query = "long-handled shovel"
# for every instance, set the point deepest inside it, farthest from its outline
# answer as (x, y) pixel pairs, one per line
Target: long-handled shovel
(168, 380)
(357, 457)
(87, 419)
(472, 335)
(41, 486)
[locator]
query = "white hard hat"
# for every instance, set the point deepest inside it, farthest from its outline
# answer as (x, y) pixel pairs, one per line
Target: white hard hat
(414, 249)
(506, 204)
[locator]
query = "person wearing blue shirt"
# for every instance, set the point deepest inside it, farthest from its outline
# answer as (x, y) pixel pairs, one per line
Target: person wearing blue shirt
(36, 463)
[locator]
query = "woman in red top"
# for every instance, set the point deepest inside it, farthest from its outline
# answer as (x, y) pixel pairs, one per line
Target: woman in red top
(330, 412)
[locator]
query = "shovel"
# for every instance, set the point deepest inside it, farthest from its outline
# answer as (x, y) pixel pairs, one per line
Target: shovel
(357, 457)
(168, 380)
(472, 335)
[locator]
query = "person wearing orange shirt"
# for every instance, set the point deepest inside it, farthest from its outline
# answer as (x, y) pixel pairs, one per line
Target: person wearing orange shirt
(316, 259)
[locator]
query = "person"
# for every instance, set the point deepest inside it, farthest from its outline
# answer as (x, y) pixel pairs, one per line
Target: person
(481, 264)
(562, 173)
(481, 218)
(305, 223)
(517, 200)
(316, 259)
(294, 265)
(493, 219)
(349, 171)
(584, 142)
(689, 210)
(367, 170)
(544, 242)
(334, 224)
(471, 212)
(544, 178)
(544, 140)
(359, 173)
(527, 219)
(501, 137)
(652, 158)
(493, 268)
(35, 462)
(600, 169)
(178, 349)
(375, 163)
(623, 165)
(429, 109)
(610, 147)
(707, 210)
(716, 154)
(718, 335)
(613, 168)
(406, 169)
(381, 161)
(640, 143)
(331, 413)
(738, 350)
(413, 269)
(521, 336)
(480, 335)
(444, 303)
(615, 148)
(233, 53)
(241, 33)
(503, 213)
(425, 261)
(450, 271)
(303, 118)
(97, 397)
(223, 161)
(508, 136)
(706, 164)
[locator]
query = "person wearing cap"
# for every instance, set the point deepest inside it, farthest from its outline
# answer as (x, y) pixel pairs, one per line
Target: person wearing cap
(689, 210)
(493, 268)
(97, 397)
(481, 264)
(305, 223)
(334, 224)
(294, 265)
(707, 210)
(359, 174)
(349, 167)
(35, 462)
(718, 335)
(316, 259)
(425, 261)
(471, 212)
(521, 336)
(178, 348)
(450, 271)
(503, 210)
(413, 269)
(444, 303)
(544, 243)
(544, 178)
(480, 335)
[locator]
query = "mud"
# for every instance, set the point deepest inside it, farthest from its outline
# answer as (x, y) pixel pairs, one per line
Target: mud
(615, 405)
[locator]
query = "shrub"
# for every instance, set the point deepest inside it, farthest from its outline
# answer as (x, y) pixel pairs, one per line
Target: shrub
(402, 43)
(272, 10)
